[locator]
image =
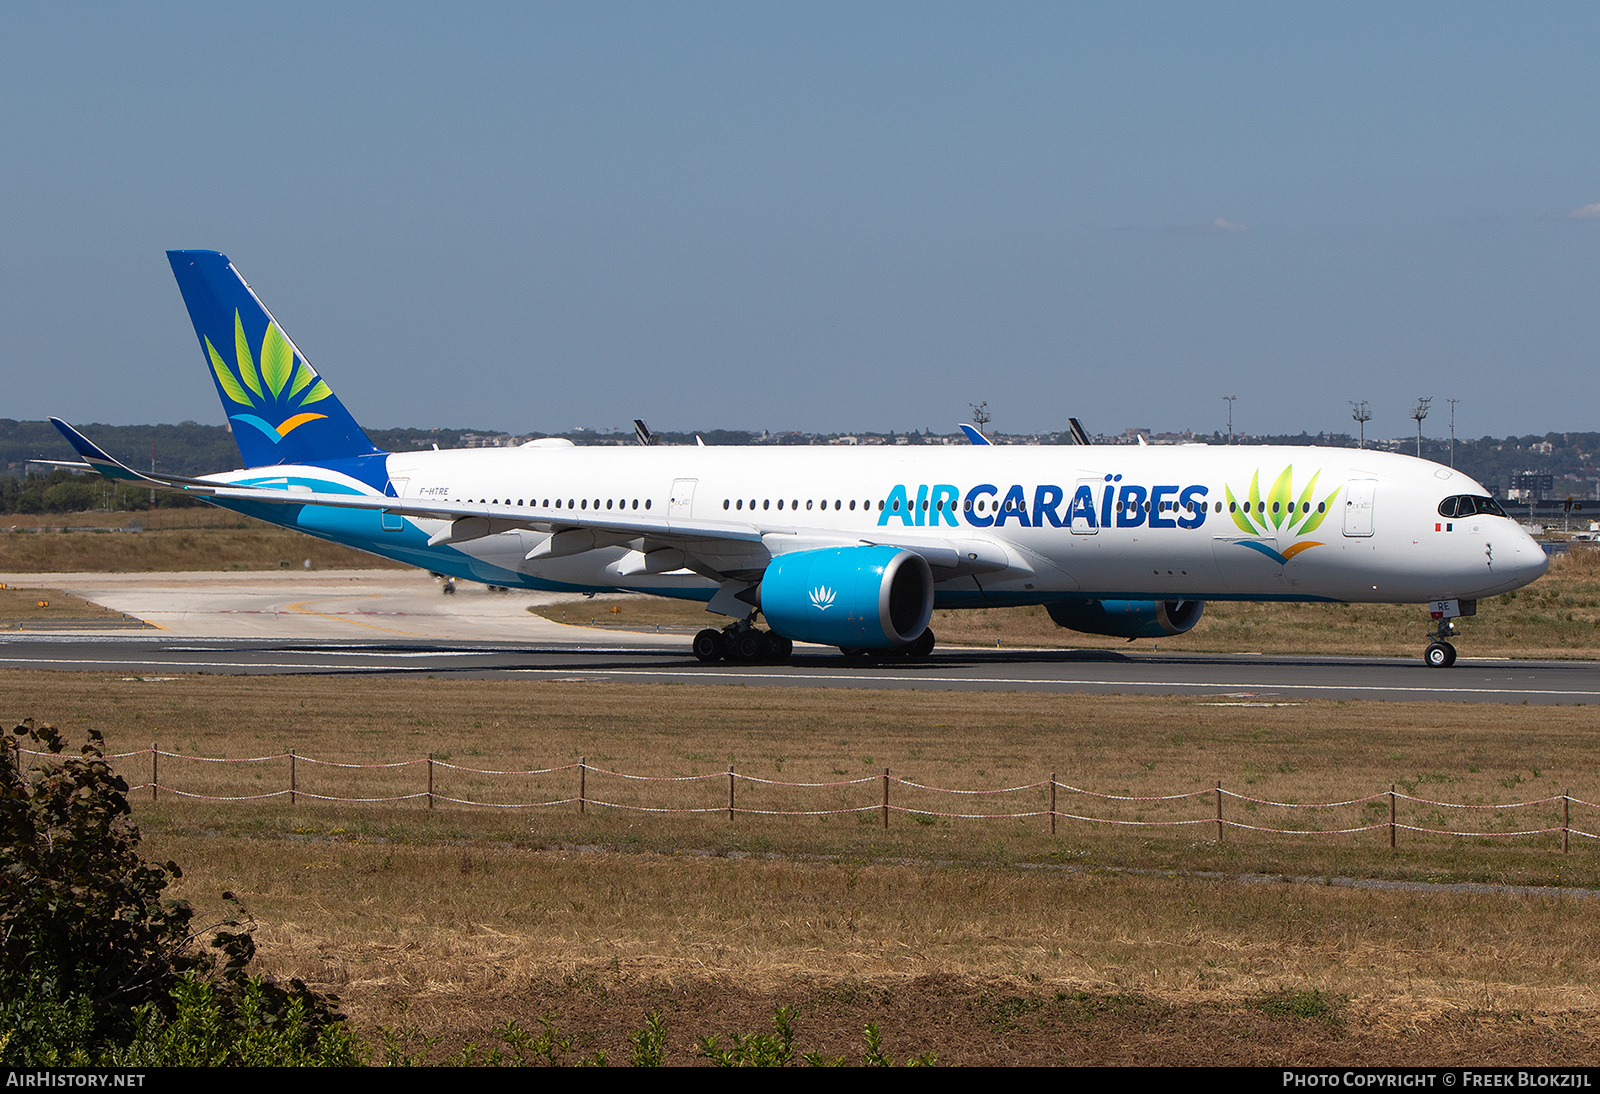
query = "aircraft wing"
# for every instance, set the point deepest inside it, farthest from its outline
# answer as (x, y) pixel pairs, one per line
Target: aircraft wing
(721, 547)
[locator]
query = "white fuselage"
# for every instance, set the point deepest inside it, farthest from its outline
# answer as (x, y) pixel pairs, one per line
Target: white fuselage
(1196, 522)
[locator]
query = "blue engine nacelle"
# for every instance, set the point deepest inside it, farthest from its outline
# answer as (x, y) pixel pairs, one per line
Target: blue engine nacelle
(869, 598)
(1127, 618)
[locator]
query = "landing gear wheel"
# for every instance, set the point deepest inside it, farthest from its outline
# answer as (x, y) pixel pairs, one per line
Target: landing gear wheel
(781, 649)
(922, 647)
(1440, 655)
(708, 645)
(745, 646)
(854, 653)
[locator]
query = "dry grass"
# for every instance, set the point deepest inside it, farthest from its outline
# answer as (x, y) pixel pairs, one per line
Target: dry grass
(190, 517)
(985, 941)
(1142, 746)
(258, 547)
(31, 607)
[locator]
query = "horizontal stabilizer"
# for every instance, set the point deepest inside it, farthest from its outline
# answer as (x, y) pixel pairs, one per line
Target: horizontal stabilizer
(96, 458)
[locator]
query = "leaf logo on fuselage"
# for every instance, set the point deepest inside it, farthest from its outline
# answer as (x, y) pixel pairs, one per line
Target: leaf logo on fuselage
(1278, 514)
(276, 392)
(822, 598)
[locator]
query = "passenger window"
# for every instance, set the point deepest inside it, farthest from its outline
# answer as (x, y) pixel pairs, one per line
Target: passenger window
(724, 503)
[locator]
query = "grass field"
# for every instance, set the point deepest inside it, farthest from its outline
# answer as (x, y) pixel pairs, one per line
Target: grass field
(980, 940)
(33, 606)
(172, 540)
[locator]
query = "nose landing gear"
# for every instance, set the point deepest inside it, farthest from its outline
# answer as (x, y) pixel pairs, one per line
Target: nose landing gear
(1440, 654)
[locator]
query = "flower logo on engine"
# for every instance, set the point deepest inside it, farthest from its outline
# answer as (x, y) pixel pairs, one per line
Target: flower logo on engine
(822, 598)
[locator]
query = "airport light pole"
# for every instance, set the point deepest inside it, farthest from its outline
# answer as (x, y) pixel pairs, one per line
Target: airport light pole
(1452, 403)
(1419, 412)
(1230, 399)
(1361, 414)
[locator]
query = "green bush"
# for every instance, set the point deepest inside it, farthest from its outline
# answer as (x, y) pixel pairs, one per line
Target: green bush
(96, 967)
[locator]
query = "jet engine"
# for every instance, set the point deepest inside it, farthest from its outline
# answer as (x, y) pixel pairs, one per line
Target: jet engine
(856, 597)
(1127, 618)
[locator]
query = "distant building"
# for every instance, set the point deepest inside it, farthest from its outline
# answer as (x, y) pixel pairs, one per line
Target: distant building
(1531, 486)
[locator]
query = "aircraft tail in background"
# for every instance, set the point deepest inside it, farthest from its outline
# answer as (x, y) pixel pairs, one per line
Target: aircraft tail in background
(280, 410)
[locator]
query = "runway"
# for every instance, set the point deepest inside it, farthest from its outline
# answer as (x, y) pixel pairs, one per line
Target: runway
(395, 622)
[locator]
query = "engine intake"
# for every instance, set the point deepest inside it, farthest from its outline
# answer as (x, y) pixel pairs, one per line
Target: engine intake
(858, 597)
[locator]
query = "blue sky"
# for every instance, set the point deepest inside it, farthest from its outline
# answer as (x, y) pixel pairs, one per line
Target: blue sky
(818, 216)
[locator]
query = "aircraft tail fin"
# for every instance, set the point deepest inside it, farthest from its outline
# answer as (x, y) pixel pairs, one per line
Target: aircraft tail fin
(279, 409)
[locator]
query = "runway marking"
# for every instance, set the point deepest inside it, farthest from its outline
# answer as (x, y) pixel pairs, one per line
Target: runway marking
(1059, 682)
(369, 596)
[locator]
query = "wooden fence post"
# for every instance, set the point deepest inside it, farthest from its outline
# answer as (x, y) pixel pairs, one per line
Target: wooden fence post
(1052, 803)
(430, 780)
(730, 791)
(583, 772)
(886, 799)
(155, 781)
(292, 784)
(1391, 816)
(1566, 818)
(1219, 810)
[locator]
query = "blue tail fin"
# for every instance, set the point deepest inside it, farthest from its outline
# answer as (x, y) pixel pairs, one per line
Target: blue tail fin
(280, 410)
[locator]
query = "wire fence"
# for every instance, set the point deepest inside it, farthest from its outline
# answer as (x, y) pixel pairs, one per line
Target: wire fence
(433, 781)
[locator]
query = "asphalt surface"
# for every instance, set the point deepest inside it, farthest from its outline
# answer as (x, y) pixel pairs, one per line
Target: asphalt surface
(366, 622)
(1226, 678)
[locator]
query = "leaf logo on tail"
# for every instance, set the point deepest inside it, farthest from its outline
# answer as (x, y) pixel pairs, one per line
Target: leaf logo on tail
(274, 391)
(1280, 513)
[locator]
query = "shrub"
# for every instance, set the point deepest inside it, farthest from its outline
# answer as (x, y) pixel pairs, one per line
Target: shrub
(95, 964)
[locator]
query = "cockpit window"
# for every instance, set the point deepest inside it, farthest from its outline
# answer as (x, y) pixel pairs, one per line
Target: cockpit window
(1467, 505)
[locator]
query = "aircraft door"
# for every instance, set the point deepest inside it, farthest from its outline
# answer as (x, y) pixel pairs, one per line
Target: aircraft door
(681, 504)
(1358, 497)
(394, 522)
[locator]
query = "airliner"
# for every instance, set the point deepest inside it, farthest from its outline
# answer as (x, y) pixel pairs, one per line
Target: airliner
(847, 547)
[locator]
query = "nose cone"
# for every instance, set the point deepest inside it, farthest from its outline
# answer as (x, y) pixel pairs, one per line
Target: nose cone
(1528, 562)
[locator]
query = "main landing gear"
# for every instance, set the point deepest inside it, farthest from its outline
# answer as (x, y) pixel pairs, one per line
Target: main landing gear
(744, 643)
